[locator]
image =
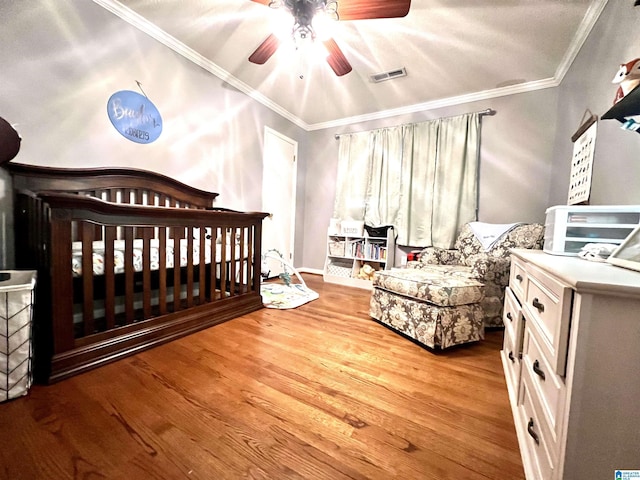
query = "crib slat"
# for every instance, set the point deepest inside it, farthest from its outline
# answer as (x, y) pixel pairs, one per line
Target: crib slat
(128, 274)
(109, 277)
(242, 280)
(202, 297)
(257, 244)
(162, 270)
(97, 232)
(189, 267)
(250, 259)
(223, 262)
(177, 234)
(126, 194)
(147, 233)
(87, 277)
(232, 264)
(214, 266)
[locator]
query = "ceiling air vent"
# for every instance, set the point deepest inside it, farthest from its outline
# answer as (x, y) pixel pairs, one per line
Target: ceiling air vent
(381, 77)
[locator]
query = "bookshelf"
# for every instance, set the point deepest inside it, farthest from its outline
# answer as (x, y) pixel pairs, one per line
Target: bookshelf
(346, 254)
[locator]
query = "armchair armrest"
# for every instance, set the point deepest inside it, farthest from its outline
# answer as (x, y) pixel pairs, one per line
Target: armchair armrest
(490, 270)
(440, 256)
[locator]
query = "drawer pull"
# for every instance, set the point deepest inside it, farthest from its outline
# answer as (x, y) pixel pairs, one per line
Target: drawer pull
(509, 316)
(511, 357)
(536, 304)
(533, 434)
(536, 369)
(519, 277)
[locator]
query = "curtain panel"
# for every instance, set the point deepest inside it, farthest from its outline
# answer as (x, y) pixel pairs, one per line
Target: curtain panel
(421, 178)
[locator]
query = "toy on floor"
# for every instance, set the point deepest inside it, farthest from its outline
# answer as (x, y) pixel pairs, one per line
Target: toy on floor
(366, 272)
(286, 294)
(628, 77)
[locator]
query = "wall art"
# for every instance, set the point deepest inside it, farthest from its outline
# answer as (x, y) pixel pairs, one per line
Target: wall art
(582, 163)
(134, 116)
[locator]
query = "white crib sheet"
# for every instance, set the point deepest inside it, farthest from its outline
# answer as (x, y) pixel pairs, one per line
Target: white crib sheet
(118, 254)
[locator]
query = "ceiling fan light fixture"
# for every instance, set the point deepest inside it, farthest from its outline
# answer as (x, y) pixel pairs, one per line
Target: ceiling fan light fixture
(324, 24)
(331, 10)
(304, 32)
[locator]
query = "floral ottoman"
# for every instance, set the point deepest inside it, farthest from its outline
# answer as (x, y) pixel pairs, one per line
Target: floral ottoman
(438, 308)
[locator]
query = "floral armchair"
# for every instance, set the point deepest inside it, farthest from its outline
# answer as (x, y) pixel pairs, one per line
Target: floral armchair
(491, 267)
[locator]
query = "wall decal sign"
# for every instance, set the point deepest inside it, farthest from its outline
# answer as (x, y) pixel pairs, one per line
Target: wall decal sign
(134, 116)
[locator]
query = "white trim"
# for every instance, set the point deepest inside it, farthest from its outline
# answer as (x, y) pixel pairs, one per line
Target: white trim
(313, 271)
(587, 24)
(131, 17)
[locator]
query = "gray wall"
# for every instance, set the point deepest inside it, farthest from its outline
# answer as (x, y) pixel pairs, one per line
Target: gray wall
(61, 61)
(616, 169)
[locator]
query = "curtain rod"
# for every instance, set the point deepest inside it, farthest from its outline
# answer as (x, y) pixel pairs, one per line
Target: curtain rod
(482, 113)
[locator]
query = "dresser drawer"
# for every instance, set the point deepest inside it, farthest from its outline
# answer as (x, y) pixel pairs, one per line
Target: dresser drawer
(537, 457)
(511, 363)
(548, 305)
(513, 320)
(547, 388)
(518, 278)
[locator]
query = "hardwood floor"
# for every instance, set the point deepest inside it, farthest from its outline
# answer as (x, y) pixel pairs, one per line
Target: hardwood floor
(319, 392)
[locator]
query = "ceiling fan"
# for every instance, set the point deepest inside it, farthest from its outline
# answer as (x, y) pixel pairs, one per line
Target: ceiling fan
(303, 12)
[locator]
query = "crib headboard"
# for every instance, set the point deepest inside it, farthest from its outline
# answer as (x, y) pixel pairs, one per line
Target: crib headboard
(120, 185)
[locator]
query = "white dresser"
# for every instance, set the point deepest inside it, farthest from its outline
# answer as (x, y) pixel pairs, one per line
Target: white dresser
(571, 357)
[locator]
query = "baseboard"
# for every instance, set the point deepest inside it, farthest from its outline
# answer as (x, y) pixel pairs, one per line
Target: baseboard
(314, 271)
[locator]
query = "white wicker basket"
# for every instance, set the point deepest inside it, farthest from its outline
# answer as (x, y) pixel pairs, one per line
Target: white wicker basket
(336, 248)
(339, 269)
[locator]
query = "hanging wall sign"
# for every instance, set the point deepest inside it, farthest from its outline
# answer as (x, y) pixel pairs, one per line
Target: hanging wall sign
(134, 116)
(582, 164)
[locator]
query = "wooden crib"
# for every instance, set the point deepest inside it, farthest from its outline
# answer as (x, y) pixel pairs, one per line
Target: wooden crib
(127, 259)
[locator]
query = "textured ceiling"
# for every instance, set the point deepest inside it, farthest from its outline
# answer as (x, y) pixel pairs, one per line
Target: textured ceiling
(454, 51)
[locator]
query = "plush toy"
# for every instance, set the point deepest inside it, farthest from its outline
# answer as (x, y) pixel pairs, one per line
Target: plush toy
(628, 77)
(366, 272)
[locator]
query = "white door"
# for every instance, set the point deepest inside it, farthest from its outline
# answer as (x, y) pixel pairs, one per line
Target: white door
(278, 198)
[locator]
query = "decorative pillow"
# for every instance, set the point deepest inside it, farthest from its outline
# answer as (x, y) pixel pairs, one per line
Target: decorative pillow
(529, 235)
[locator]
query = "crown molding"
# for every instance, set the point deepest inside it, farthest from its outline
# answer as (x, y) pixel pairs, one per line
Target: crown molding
(587, 24)
(444, 102)
(142, 24)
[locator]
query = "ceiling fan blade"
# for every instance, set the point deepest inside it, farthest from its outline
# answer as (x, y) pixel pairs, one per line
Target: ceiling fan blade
(265, 50)
(366, 9)
(336, 59)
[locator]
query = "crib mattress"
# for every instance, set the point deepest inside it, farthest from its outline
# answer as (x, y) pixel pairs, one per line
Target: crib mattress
(98, 255)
